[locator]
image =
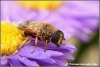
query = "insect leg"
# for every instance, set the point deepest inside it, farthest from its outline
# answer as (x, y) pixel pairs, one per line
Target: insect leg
(45, 47)
(36, 41)
(50, 39)
(15, 52)
(25, 41)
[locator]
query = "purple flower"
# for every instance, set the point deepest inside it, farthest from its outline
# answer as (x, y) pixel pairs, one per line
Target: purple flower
(53, 56)
(78, 18)
(13, 53)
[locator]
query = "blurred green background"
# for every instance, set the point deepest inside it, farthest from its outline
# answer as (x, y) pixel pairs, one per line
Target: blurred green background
(86, 52)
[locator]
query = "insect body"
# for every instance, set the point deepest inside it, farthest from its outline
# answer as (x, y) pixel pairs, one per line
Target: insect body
(42, 31)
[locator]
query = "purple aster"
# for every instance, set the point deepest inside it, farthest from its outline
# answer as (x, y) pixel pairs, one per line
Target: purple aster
(54, 56)
(78, 18)
(13, 54)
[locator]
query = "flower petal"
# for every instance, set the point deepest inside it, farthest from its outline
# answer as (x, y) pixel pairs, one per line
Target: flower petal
(69, 48)
(60, 61)
(52, 47)
(4, 62)
(14, 56)
(45, 62)
(67, 56)
(38, 54)
(28, 62)
(15, 62)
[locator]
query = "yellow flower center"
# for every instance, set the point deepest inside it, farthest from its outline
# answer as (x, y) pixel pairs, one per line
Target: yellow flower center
(11, 38)
(41, 5)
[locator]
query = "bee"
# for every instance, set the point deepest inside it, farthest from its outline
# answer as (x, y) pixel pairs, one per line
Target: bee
(42, 31)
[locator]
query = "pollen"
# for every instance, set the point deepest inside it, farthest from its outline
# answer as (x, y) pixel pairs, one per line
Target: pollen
(11, 38)
(40, 5)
